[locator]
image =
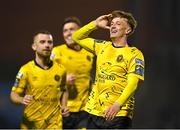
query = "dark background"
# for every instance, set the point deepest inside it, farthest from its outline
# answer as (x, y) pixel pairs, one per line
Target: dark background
(157, 100)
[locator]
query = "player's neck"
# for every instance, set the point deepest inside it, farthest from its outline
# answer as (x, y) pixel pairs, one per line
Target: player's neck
(120, 41)
(75, 47)
(43, 62)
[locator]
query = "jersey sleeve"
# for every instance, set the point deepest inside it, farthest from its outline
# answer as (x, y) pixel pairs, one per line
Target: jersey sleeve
(81, 37)
(136, 66)
(20, 81)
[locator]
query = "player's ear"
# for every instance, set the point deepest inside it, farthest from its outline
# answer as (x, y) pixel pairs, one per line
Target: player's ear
(33, 46)
(128, 30)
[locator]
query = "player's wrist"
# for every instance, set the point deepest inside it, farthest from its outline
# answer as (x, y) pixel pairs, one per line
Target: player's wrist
(95, 23)
(118, 104)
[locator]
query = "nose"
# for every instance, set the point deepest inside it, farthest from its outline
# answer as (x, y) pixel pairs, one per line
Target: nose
(47, 44)
(69, 33)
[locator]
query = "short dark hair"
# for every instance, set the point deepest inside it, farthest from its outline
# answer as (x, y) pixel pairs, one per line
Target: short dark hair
(131, 20)
(40, 32)
(72, 19)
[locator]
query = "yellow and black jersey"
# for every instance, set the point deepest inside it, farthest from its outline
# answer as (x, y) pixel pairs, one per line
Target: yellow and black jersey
(78, 63)
(114, 66)
(46, 87)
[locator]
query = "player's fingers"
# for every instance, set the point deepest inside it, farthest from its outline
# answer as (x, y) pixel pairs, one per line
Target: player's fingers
(108, 114)
(29, 97)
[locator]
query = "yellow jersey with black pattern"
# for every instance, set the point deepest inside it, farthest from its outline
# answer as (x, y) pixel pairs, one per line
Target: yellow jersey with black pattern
(46, 88)
(114, 65)
(78, 63)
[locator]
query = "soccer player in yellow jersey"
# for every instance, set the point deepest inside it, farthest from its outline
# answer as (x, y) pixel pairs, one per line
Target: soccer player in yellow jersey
(40, 86)
(78, 63)
(119, 69)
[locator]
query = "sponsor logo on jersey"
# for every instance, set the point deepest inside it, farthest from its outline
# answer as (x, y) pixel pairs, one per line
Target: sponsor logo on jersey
(106, 77)
(57, 77)
(119, 58)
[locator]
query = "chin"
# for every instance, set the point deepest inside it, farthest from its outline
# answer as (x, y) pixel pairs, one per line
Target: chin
(47, 54)
(70, 44)
(112, 37)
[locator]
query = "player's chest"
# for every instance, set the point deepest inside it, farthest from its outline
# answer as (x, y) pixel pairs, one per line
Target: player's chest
(76, 57)
(113, 57)
(40, 78)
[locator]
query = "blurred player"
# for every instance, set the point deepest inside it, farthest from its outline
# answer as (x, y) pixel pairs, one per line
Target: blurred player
(78, 63)
(39, 86)
(120, 67)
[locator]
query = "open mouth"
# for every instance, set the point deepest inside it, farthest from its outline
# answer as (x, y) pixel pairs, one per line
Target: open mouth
(69, 38)
(113, 31)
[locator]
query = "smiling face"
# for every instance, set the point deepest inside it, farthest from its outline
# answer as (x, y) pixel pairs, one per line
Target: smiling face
(68, 30)
(119, 27)
(43, 44)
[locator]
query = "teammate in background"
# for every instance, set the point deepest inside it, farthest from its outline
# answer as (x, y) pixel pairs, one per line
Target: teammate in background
(40, 86)
(120, 67)
(78, 63)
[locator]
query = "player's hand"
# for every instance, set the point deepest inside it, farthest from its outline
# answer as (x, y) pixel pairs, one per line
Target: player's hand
(70, 79)
(103, 21)
(65, 111)
(27, 99)
(111, 112)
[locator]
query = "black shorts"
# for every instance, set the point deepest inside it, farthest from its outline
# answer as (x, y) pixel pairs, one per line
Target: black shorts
(98, 122)
(76, 120)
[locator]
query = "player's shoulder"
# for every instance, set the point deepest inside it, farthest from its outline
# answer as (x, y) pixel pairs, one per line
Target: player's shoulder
(27, 66)
(100, 41)
(58, 65)
(59, 47)
(84, 51)
(135, 51)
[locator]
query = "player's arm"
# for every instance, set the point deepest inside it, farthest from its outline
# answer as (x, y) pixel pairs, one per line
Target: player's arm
(135, 76)
(81, 35)
(18, 89)
(64, 99)
(16, 98)
(129, 90)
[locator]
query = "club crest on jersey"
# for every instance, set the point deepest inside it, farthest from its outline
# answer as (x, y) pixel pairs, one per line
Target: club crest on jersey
(119, 58)
(57, 77)
(88, 58)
